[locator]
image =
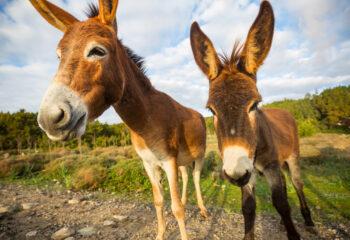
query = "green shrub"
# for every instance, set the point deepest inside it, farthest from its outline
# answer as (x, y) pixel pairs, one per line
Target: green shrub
(22, 166)
(307, 127)
(89, 177)
(127, 175)
(212, 162)
(101, 142)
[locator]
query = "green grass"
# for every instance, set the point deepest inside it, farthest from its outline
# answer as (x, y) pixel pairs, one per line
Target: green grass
(325, 170)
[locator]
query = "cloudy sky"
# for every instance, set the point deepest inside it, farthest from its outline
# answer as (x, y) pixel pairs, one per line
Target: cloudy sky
(310, 50)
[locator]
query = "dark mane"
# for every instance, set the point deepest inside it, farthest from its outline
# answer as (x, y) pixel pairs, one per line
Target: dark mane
(138, 60)
(232, 61)
(92, 12)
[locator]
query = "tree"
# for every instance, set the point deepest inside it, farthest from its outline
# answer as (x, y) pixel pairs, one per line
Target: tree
(332, 104)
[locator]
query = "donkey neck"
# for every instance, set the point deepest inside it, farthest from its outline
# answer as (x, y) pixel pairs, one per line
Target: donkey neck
(265, 150)
(133, 106)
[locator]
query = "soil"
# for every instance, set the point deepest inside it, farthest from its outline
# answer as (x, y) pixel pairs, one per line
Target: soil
(53, 210)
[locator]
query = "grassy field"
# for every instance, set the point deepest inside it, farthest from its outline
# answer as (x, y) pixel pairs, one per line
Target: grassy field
(325, 160)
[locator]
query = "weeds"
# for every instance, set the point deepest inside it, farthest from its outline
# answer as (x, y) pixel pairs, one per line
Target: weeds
(63, 174)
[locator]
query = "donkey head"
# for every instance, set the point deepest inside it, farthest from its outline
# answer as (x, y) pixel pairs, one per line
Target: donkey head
(81, 88)
(233, 95)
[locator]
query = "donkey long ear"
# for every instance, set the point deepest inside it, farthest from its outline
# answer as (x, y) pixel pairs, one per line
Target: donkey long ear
(259, 40)
(108, 8)
(54, 15)
(204, 53)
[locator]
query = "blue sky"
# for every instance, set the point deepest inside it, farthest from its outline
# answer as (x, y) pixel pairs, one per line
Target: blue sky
(310, 50)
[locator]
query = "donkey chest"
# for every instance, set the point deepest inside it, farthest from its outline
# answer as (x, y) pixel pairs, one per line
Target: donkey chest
(158, 157)
(156, 152)
(154, 157)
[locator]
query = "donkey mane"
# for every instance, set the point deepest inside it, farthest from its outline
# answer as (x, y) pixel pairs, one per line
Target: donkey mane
(92, 12)
(232, 61)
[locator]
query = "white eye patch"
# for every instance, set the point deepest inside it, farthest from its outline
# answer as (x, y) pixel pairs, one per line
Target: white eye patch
(95, 52)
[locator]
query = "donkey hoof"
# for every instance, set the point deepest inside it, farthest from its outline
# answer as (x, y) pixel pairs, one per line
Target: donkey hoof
(204, 213)
(297, 237)
(309, 224)
(311, 229)
(248, 237)
(159, 237)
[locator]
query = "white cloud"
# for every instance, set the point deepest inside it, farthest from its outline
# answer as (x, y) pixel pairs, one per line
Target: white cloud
(23, 87)
(149, 26)
(174, 72)
(280, 88)
(223, 21)
(314, 18)
(25, 37)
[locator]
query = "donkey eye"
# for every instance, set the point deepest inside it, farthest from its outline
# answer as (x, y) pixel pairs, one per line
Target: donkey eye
(212, 111)
(58, 52)
(96, 51)
(254, 107)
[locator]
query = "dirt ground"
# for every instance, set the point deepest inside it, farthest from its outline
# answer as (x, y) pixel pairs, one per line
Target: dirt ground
(52, 210)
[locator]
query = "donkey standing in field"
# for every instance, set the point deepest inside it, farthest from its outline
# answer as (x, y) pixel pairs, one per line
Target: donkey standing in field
(343, 122)
(96, 71)
(248, 137)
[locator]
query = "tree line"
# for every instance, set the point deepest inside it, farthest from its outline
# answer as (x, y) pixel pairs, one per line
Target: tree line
(314, 113)
(319, 112)
(20, 130)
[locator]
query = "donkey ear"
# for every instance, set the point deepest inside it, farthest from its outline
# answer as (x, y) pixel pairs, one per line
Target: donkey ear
(54, 15)
(204, 53)
(108, 8)
(259, 40)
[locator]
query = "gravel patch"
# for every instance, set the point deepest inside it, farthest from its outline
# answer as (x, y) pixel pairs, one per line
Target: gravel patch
(115, 218)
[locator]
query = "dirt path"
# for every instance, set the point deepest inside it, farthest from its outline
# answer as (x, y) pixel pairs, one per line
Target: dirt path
(103, 219)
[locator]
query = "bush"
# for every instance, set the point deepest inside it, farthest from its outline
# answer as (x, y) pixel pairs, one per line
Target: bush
(101, 142)
(307, 127)
(90, 177)
(128, 175)
(22, 166)
(212, 162)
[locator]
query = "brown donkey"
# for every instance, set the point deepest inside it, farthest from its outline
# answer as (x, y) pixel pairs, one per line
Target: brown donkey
(250, 138)
(96, 71)
(343, 122)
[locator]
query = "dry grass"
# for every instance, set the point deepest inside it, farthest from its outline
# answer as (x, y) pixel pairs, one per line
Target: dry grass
(89, 178)
(319, 146)
(212, 144)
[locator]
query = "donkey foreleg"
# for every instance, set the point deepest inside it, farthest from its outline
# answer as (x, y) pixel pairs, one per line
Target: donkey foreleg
(294, 169)
(248, 208)
(276, 182)
(154, 174)
(184, 175)
(196, 177)
(170, 168)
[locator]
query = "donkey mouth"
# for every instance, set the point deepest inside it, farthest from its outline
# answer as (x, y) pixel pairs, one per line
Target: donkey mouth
(72, 130)
(77, 130)
(238, 182)
(62, 113)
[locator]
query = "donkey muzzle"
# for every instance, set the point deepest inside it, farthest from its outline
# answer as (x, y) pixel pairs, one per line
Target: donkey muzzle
(237, 167)
(62, 113)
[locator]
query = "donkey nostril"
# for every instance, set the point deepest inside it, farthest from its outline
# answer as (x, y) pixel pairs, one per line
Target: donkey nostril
(245, 178)
(60, 117)
(247, 173)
